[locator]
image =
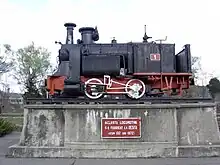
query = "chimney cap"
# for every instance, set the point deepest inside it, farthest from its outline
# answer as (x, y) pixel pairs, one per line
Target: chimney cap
(82, 29)
(70, 25)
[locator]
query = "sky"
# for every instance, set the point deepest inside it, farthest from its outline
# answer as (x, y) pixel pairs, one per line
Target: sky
(192, 22)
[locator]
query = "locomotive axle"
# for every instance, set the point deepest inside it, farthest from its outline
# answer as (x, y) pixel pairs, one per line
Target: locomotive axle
(134, 88)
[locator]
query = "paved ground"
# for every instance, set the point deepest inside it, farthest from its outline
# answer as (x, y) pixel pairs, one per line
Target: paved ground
(13, 138)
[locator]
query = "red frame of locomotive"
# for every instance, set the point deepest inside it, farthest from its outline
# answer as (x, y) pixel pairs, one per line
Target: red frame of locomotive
(164, 82)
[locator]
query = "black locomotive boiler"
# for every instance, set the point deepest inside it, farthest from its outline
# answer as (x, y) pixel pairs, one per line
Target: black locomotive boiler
(92, 69)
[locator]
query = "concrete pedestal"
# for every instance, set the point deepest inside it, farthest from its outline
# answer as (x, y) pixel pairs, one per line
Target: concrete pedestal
(167, 130)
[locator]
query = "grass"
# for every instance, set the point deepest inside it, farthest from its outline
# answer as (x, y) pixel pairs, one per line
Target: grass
(6, 127)
(13, 120)
(12, 114)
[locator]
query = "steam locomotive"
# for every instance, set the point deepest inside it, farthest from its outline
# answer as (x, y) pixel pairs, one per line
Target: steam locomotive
(136, 70)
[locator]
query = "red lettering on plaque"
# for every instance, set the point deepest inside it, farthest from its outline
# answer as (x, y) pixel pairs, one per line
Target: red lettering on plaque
(155, 57)
(121, 127)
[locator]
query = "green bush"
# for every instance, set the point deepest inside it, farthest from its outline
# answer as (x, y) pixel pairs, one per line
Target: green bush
(6, 127)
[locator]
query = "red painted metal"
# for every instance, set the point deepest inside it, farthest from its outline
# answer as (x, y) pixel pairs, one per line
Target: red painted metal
(55, 83)
(164, 82)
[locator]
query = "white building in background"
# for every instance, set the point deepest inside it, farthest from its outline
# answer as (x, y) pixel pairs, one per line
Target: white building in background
(15, 98)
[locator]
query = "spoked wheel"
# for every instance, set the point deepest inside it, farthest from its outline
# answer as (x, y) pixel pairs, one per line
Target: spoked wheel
(135, 88)
(94, 88)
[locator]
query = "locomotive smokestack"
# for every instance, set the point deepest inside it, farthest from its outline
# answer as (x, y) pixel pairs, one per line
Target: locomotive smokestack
(69, 36)
(87, 35)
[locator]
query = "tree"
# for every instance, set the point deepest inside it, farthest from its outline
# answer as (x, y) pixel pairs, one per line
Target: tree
(196, 66)
(200, 75)
(214, 86)
(195, 60)
(32, 64)
(5, 66)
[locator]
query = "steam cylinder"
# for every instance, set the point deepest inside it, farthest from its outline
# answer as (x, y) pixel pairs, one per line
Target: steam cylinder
(87, 34)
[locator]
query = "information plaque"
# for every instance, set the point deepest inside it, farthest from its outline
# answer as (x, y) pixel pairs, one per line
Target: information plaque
(121, 128)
